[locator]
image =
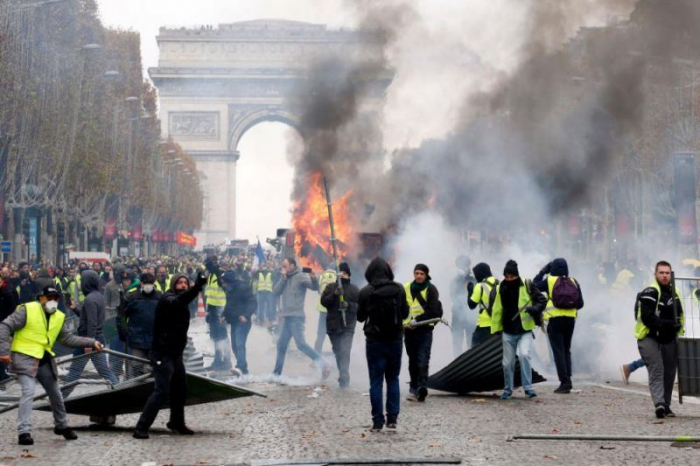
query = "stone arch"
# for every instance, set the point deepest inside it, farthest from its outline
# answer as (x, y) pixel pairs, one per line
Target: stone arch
(244, 120)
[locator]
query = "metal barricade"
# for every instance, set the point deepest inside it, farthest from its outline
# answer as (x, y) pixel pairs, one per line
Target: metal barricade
(689, 344)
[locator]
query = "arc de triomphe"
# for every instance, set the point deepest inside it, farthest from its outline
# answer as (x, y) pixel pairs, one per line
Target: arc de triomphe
(216, 83)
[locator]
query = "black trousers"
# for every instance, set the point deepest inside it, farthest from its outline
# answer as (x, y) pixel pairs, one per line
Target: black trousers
(418, 345)
(560, 332)
(480, 335)
(342, 346)
(170, 384)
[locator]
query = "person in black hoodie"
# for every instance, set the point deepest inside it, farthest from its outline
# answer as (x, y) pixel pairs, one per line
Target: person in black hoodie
(424, 304)
(241, 304)
(9, 300)
(341, 333)
(560, 327)
(170, 328)
(382, 306)
(138, 308)
(92, 319)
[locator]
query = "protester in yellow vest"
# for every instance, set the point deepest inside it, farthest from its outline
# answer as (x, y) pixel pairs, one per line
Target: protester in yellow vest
(36, 326)
(264, 282)
(216, 301)
(327, 277)
(480, 295)
(162, 279)
(424, 304)
(565, 299)
(660, 320)
(517, 307)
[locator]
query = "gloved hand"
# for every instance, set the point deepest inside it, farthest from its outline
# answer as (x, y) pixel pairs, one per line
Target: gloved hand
(337, 290)
(470, 289)
(535, 314)
(547, 268)
(201, 279)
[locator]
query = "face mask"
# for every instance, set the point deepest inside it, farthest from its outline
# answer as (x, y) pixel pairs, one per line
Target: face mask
(345, 281)
(148, 288)
(51, 306)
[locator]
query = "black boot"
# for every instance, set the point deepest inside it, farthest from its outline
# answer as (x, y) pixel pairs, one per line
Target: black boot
(25, 439)
(141, 434)
(67, 433)
(181, 429)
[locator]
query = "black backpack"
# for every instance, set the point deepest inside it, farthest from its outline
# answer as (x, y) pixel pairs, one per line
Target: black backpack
(384, 316)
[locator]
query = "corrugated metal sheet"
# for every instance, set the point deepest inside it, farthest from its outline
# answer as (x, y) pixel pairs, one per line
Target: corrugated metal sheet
(688, 367)
(131, 398)
(478, 369)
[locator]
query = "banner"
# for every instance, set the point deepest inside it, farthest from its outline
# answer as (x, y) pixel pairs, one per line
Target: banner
(183, 239)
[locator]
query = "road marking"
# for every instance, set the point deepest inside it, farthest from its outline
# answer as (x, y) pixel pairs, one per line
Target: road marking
(686, 399)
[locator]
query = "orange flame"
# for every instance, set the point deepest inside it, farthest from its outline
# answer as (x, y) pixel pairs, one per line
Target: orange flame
(312, 243)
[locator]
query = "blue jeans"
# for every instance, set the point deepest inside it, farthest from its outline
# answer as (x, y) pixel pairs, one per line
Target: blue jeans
(266, 307)
(239, 336)
(384, 363)
(638, 364)
(292, 327)
(99, 360)
(320, 332)
(523, 344)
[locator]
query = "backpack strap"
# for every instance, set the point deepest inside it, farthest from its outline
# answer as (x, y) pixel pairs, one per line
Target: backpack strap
(492, 296)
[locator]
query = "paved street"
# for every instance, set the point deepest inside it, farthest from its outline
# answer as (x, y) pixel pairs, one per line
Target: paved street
(319, 421)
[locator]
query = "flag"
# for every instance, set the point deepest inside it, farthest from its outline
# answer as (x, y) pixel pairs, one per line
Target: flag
(259, 257)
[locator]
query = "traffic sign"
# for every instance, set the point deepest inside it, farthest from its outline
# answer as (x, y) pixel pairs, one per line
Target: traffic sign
(6, 246)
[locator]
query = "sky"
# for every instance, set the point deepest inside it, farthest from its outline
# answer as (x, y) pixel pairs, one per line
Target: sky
(447, 50)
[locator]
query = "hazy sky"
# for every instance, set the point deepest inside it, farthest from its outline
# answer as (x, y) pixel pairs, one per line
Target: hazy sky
(450, 48)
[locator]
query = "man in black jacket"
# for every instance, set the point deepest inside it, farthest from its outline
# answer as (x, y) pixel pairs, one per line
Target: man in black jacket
(339, 332)
(9, 300)
(660, 320)
(169, 340)
(139, 311)
(424, 304)
(382, 306)
(241, 304)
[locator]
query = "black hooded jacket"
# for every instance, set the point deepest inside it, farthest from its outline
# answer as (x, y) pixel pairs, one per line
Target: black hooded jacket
(172, 319)
(381, 286)
(9, 300)
(92, 314)
(240, 300)
(331, 301)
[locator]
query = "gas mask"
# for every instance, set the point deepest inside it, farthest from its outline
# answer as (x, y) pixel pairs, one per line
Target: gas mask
(147, 288)
(51, 306)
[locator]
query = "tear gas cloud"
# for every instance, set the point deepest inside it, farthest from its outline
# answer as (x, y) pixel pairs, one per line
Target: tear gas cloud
(523, 145)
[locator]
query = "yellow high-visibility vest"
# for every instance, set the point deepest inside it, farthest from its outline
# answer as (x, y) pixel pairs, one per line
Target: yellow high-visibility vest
(325, 279)
(214, 293)
(480, 295)
(641, 330)
(414, 307)
(37, 336)
(265, 281)
(527, 321)
(551, 311)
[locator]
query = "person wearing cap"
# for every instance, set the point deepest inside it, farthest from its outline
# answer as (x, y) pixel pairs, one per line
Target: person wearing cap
(424, 303)
(138, 310)
(518, 306)
(36, 326)
(340, 331)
